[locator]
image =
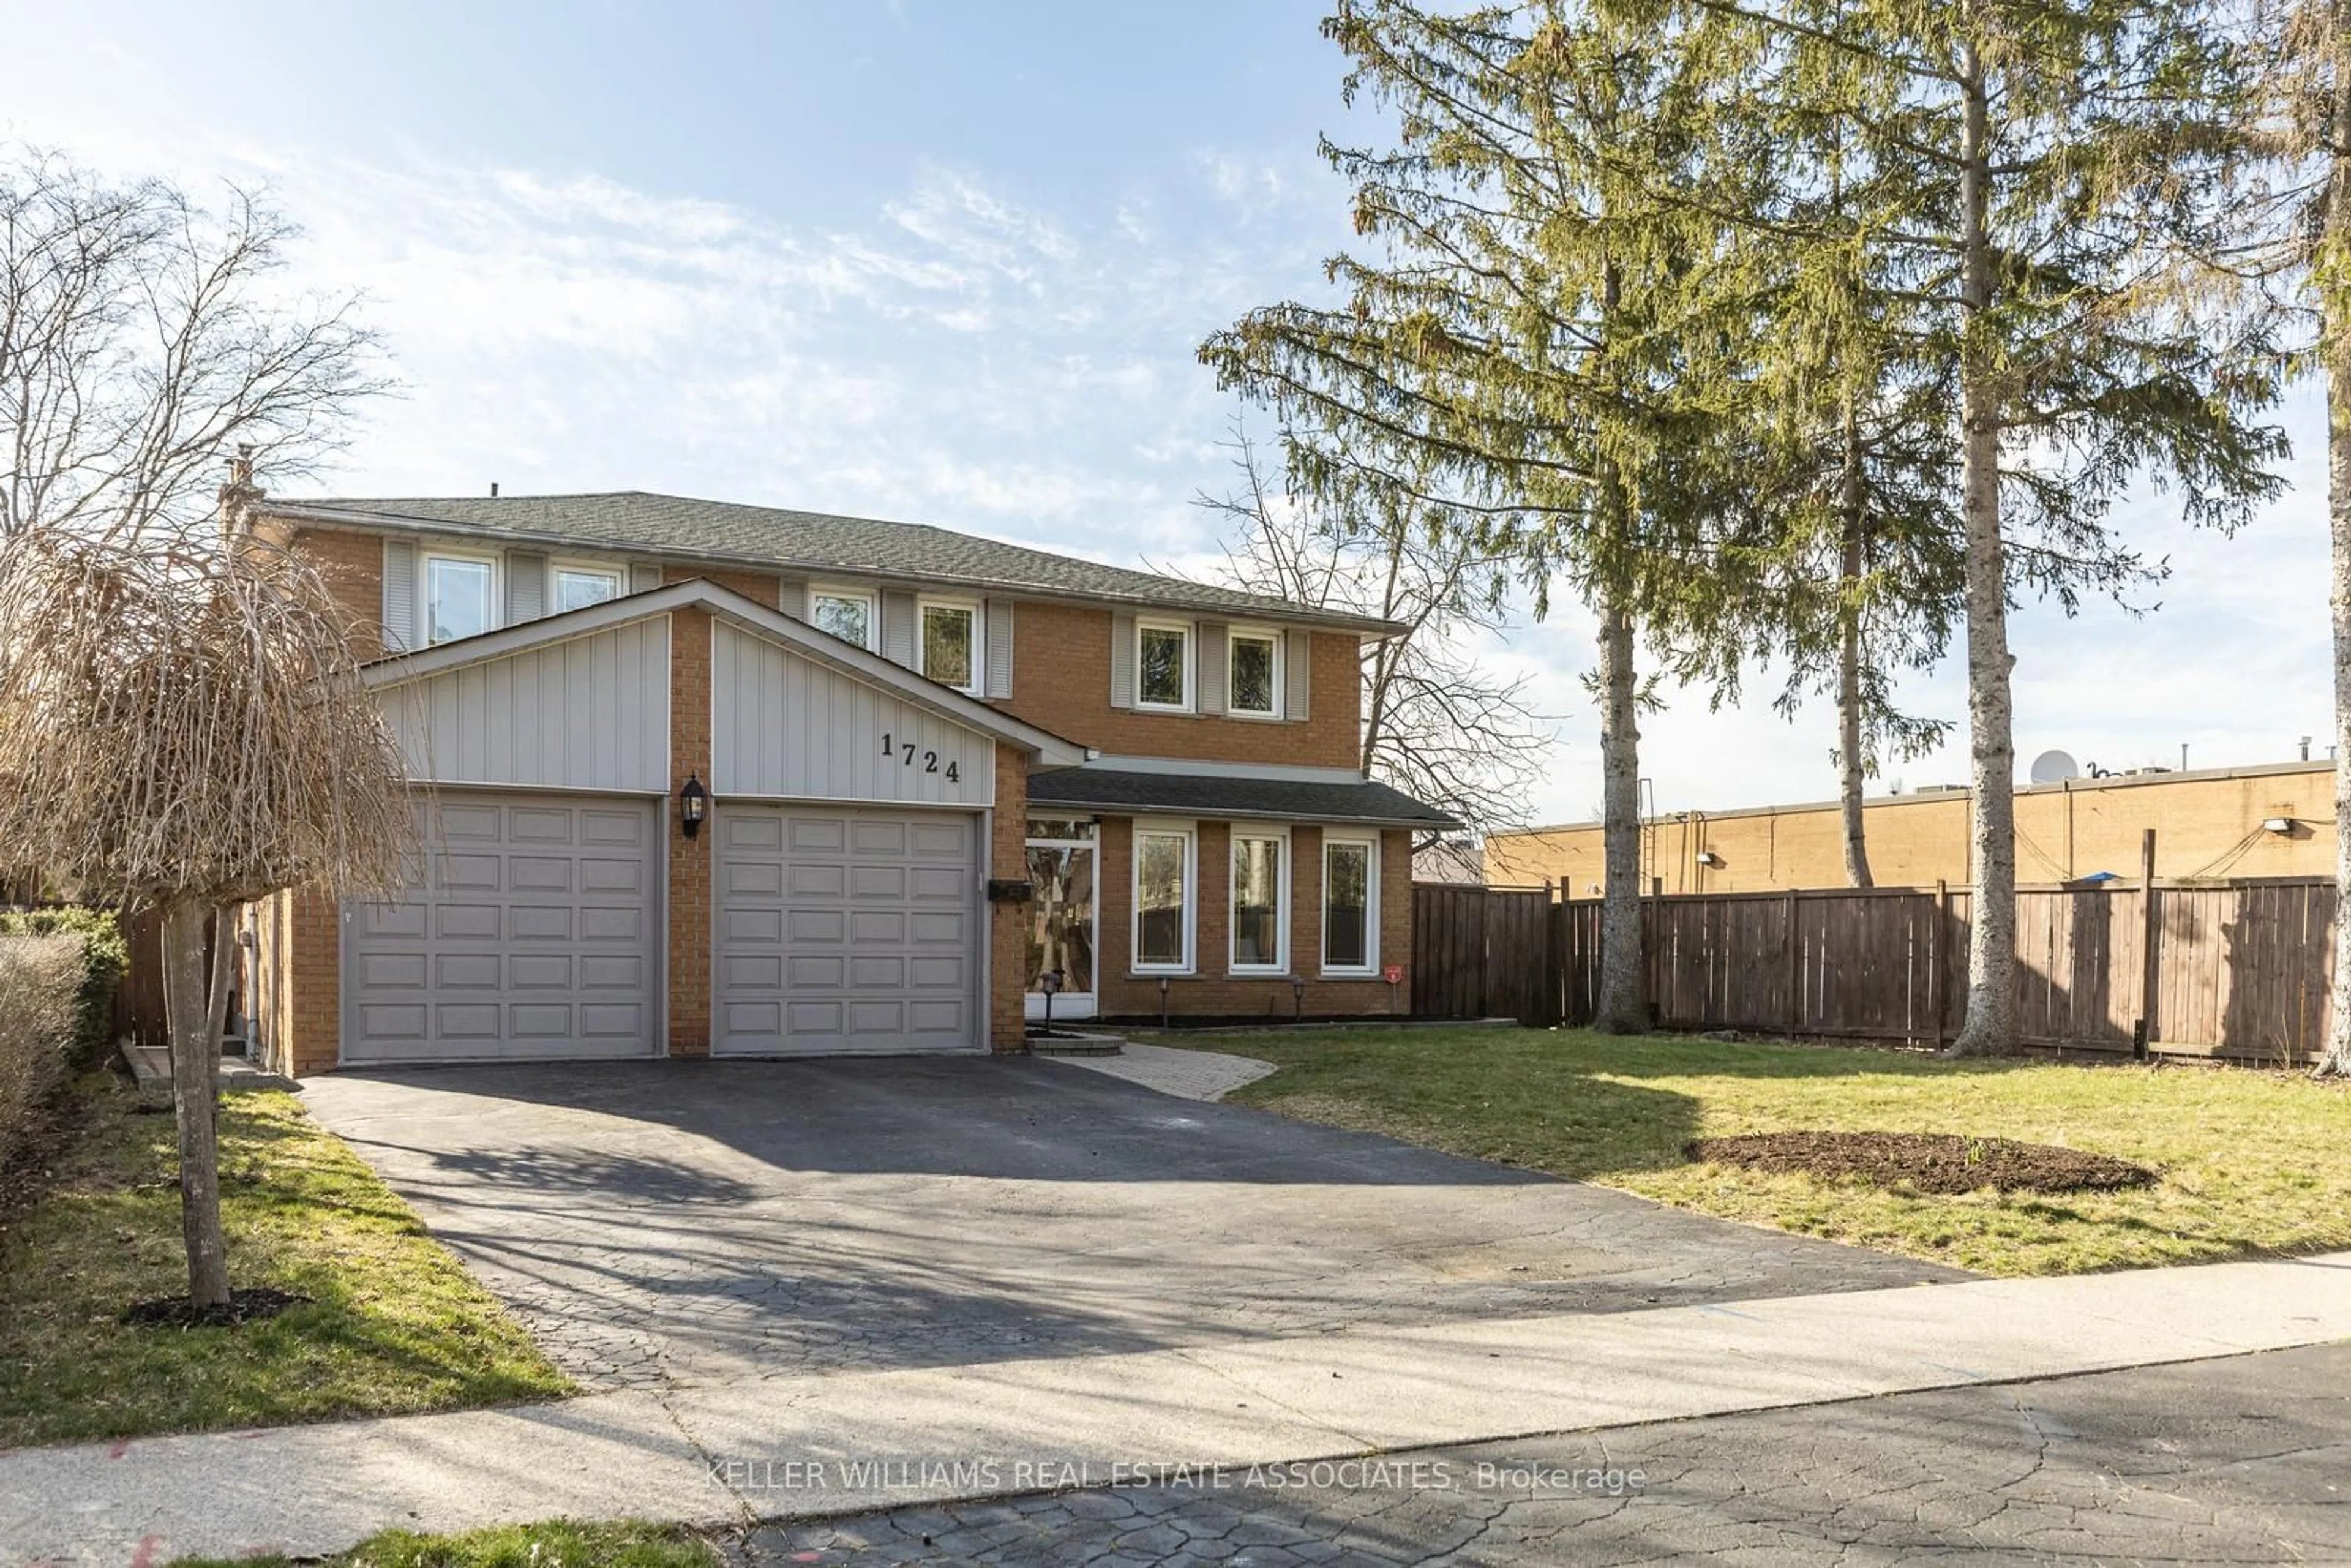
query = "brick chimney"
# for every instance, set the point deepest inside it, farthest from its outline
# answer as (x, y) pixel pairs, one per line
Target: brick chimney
(240, 495)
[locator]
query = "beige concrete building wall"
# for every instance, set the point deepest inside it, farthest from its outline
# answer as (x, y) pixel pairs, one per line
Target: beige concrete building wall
(2206, 823)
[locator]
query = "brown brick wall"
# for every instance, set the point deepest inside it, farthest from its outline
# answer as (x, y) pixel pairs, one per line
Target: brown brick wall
(300, 932)
(1008, 857)
(1213, 990)
(1060, 682)
(353, 564)
(689, 903)
(759, 586)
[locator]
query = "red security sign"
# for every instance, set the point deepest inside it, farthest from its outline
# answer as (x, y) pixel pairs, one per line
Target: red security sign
(1393, 974)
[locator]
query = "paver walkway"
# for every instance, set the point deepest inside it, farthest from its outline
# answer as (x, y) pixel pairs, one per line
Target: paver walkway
(799, 1446)
(1187, 1074)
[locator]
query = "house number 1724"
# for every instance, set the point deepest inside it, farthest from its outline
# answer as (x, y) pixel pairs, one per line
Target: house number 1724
(905, 753)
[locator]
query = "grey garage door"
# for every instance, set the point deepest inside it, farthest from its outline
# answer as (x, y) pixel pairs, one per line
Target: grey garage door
(843, 930)
(533, 934)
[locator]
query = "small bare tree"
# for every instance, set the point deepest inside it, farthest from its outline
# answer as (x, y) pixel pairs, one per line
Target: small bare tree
(182, 726)
(138, 345)
(1436, 724)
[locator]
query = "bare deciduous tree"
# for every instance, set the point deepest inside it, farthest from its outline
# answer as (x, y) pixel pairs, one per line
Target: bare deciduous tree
(139, 344)
(182, 726)
(1436, 724)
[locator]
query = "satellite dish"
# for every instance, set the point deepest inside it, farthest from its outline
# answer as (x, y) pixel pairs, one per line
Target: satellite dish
(2054, 768)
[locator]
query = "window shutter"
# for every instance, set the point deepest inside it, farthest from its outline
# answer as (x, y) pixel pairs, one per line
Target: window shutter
(1215, 665)
(898, 628)
(399, 596)
(1297, 674)
(526, 587)
(1122, 661)
(792, 598)
(644, 577)
(998, 640)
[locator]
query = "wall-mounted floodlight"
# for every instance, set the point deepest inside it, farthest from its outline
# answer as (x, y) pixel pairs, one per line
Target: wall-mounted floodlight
(2277, 824)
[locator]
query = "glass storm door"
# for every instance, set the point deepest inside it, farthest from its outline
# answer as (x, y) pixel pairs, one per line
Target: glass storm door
(1062, 867)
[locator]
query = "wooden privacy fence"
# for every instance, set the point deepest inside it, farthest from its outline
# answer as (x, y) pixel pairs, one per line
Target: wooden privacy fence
(2239, 968)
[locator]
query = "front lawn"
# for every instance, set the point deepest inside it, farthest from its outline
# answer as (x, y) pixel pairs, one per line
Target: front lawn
(394, 1324)
(561, 1544)
(2250, 1161)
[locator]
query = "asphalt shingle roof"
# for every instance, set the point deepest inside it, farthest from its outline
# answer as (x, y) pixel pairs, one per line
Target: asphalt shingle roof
(819, 542)
(1217, 795)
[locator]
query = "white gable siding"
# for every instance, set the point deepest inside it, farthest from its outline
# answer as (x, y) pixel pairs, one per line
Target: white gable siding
(591, 712)
(787, 726)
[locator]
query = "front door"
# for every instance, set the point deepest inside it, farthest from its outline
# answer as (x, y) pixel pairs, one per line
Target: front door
(1061, 868)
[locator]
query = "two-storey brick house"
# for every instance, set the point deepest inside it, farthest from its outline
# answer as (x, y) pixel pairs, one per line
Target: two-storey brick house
(698, 778)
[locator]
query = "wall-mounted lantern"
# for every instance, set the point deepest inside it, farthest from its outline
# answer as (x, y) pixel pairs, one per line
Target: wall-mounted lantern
(692, 805)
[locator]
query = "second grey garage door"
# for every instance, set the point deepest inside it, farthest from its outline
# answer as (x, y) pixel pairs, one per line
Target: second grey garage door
(533, 935)
(846, 930)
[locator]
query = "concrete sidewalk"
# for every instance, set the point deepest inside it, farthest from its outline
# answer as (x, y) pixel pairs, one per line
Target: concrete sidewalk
(776, 1447)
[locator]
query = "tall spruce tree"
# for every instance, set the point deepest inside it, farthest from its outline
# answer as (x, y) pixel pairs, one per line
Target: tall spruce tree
(1517, 347)
(2063, 218)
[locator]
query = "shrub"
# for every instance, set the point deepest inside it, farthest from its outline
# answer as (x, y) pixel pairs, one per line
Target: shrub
(40, 981)
(104, 956)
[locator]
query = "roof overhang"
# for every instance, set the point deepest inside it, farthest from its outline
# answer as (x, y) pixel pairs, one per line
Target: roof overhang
(725, 604)
(1359, 803)
(549, 539)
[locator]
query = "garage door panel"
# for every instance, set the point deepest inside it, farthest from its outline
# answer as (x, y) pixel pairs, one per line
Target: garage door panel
(390, 919)
(468, 873)
(536, 937)
(869, 918)
(467, 971)
(530, 825)
(467, 922)
(816, 835)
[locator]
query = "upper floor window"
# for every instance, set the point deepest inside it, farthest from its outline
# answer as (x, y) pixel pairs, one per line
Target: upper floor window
(1254, 666)
(578, 587)
(1163, 664)
(950, 644)
(843, 612)
(457, 596)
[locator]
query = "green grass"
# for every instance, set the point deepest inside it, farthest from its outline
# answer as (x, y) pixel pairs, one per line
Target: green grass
(394, 1324)
(561, 1544)
(2253, 1162)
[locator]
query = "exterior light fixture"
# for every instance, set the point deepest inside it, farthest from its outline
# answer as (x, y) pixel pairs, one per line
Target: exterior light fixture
(1049, 982)
(692, 805)
(2277, 825)
(1298, 998)
(1708, 857)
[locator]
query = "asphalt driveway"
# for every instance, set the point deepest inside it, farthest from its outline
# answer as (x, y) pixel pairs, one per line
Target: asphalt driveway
(695, 1222)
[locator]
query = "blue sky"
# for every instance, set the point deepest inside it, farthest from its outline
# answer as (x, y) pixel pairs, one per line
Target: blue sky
(949, 263)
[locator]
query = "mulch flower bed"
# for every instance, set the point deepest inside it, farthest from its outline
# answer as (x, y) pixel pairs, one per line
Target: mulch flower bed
(1928, 1162)
(242, 1307)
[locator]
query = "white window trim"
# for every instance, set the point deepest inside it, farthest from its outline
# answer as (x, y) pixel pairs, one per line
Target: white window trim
(495, 617)
(1189, 833)
(1191, 664)
(1281, 836)
(1281, 653)
(927, 602)
(1371, 966)
(873, 600)
(616, 573)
